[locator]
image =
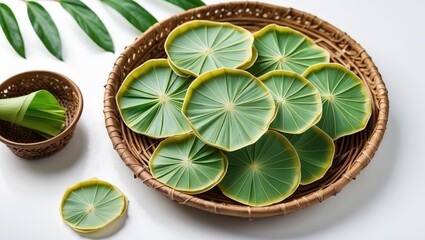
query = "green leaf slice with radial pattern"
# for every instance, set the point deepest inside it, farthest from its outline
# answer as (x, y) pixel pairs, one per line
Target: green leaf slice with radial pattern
(345, 99)
(263, 173)
(187, 164)
(92, 205)
(315, 150)
(228, 108)
(282, 48)
(298, 102)
(150, 100)
(199, 46)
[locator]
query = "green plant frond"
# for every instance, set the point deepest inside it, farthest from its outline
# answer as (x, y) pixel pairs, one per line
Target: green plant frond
(187, 4)
(89, 22)
(133, 12)
(45, 28)
(11, 29)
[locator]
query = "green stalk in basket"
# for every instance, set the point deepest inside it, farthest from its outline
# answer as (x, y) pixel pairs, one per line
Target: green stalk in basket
(39, 111)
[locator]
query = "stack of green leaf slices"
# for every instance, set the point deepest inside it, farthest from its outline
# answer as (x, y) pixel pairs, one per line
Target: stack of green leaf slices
(254, 114)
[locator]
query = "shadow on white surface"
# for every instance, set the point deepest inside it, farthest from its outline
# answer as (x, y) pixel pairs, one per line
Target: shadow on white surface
(41, 171)
(108, 231)
(62, 160)
(355, 199)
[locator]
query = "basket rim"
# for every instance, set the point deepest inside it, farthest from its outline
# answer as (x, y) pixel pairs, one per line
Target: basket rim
(64, 132)
(362, 159)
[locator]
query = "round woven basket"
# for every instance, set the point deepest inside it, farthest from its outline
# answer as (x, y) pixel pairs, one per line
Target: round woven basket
(353, 153)
(26, 143)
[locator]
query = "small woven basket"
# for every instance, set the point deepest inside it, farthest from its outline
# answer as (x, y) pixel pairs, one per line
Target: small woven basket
(353, 153)
(26, 143)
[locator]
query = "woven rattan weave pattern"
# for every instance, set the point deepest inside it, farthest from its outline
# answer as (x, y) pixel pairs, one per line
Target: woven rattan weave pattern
(24, 142)
(353, 152)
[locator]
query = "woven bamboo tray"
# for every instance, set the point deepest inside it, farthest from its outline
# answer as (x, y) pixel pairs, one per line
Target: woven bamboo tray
(24, 142)
(353, 153)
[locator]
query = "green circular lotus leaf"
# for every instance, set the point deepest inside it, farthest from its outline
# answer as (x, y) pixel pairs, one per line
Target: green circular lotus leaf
(228, 108)
(92, 205)
(298, 102)
(282, 48)
(150, 100)
(199, 46)
(263, 173)
(315, 150)
(346, 102)
(187, 164)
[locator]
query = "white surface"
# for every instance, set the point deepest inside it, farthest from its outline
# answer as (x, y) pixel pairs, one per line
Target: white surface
(385, 202)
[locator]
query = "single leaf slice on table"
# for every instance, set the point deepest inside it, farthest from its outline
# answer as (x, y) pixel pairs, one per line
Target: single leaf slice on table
(11, 29)
(315, 150)
(187, 4)
(298, 102)
(228, 108)
(89, 22)
(263, 173)
(45, 28)
(150, 100)
(39, 111)
(187, 164)
(92, 205)
(282, 48)
(346, 102)
(199, 46)
(133, 12)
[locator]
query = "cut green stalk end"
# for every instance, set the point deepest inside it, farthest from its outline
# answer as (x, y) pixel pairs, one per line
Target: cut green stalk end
(39, 111)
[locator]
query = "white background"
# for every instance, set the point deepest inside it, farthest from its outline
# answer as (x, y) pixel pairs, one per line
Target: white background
(387, 201)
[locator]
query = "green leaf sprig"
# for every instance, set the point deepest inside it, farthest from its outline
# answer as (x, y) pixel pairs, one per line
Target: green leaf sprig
(11, 29)
(187, 4)
(90, 23)
(45, 28)
(133, 12)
